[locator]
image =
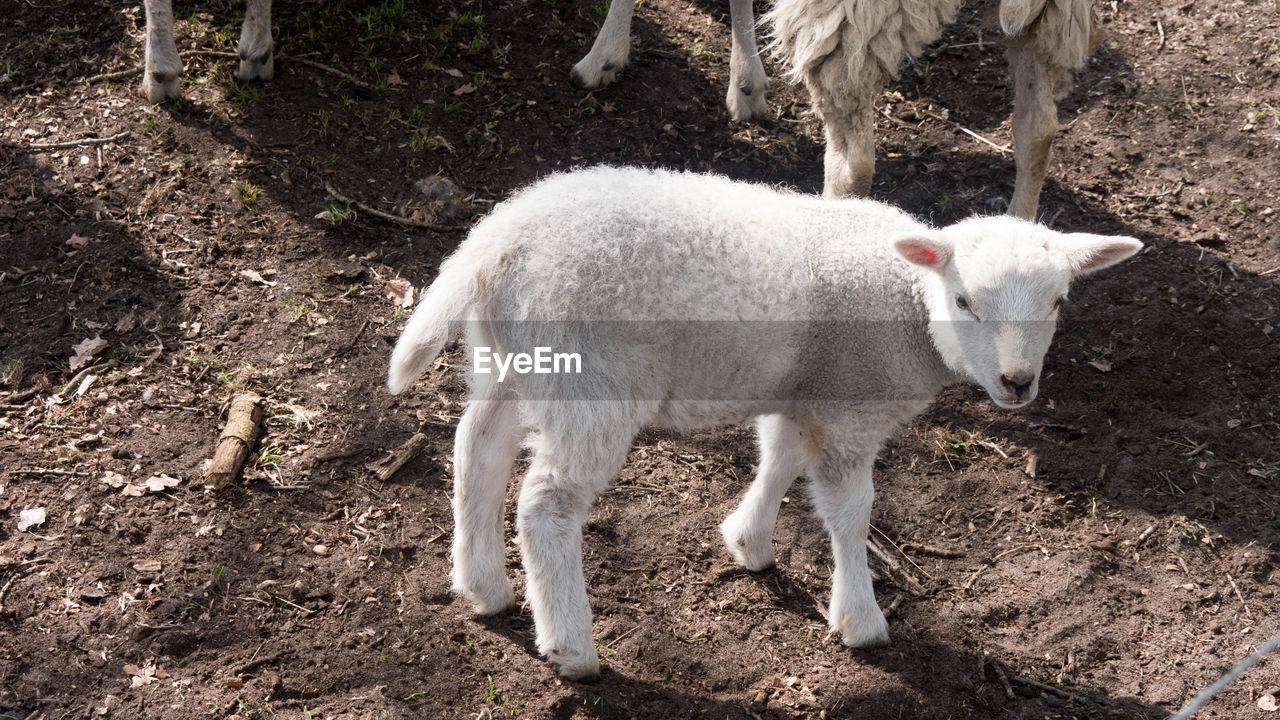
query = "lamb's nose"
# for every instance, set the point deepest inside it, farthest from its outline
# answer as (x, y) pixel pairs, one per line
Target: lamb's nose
(1018, 382)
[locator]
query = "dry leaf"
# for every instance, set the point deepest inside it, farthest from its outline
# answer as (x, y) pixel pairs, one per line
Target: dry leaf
(127, 323)
(256, 276)
(77, 241)
(1100, 365)
(1267, 702)
(144, 675)
(114, 479)
(30, 518)
(402, 292)
(394, 78)
(156, 483)
(86, 350)
(465, 89)
(148, 566)
(453, 73)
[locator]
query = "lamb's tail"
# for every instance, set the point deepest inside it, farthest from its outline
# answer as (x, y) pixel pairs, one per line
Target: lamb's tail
(463, 283)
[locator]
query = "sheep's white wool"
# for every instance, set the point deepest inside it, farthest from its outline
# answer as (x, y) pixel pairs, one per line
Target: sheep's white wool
(695, 301)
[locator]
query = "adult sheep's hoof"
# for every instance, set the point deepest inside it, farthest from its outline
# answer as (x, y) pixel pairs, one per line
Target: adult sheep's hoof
(577, 667)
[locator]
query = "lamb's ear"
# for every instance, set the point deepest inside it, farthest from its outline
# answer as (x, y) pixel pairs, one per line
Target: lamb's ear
(1087, 253)
(927, 249)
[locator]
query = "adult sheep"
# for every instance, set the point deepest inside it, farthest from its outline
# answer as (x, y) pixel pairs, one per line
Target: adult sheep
(844, 51)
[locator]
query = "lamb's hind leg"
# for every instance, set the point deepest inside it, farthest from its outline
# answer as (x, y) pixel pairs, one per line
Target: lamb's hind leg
(1035, 122)
(748, 532)
(747, 81)
(162, 67)
(485, 448)
(610, 51)
(842, 494)
(564, 478)
(257, 61)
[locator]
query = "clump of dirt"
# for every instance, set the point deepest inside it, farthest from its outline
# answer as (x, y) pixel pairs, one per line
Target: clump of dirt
(1107, 553)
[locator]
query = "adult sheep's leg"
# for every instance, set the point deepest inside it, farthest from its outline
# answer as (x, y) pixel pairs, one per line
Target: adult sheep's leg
(1035, 121)
(566, 474)
(485, 448)
(162, 68)
(850, 159)
(747, 81)
(748, 532)
(610, 51)
(257, 62)
(842, 494)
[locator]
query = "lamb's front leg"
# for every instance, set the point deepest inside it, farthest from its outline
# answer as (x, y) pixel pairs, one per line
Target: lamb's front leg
(842, 494)
(748, 532)
(610, 51)
(747, 81)
(162, 67)
(257, 61)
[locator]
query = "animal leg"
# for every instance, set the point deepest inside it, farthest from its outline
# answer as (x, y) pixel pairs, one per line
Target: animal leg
(747, 81)
(842, 494)
(162, 68)
(1035, 122)
(485, 448)
(257, 62)
(748, 532)
(609, 53)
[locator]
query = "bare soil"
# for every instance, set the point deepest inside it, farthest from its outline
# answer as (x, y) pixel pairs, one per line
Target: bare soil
(1107, 553)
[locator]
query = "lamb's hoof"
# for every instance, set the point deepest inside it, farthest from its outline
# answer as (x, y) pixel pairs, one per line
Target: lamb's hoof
(747, 105)
(257, 68)
(158, 87)
(588, 76)
(577, 668)
(756, 556)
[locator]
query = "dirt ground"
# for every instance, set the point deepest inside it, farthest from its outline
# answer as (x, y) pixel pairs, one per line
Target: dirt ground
(1107, 553)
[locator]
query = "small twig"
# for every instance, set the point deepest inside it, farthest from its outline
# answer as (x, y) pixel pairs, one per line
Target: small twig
(308, 611)
(1195, 450)
(1160, 27)
(1000, 675)
(75, 379)
(399, 457)
(36, 472)
(1043, 686)
(388, 216)
(354, 338)
(913, 585)
(236, 56)
(976, 136)
(933, 550)
(894, 605)
(1247, 611)
(82, 142)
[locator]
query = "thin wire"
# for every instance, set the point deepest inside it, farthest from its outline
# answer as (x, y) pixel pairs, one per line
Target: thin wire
(1190, 708)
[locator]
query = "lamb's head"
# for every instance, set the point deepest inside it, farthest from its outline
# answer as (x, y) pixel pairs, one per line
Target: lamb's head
(994, 289)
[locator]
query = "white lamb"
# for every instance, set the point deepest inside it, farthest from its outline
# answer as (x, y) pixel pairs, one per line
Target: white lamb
(693, 302)
(845, 50)
(162, 71)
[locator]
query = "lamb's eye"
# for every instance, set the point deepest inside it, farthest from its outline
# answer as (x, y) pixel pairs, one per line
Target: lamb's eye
(962, 303)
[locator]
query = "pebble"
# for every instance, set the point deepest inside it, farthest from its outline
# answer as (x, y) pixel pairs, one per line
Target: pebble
(320, 550)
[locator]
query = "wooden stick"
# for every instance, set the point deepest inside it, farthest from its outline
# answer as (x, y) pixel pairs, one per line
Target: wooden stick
(236, 56)
(388, 216)
(238, 436)
(399, 457)
(913, 585)
(76, 143)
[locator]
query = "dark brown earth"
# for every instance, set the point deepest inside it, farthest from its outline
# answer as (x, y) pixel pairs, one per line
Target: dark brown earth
(1125, 572)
